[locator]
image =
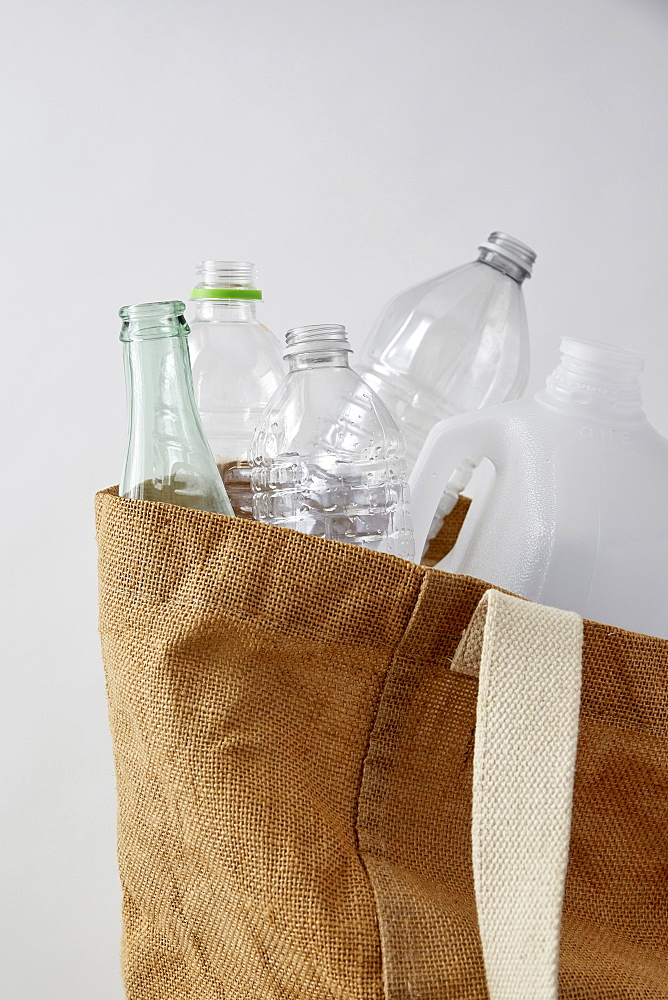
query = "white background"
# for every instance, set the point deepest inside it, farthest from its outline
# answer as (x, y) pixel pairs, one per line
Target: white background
(349, 148)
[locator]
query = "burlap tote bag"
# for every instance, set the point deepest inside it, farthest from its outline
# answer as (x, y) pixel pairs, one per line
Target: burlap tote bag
(344, 776)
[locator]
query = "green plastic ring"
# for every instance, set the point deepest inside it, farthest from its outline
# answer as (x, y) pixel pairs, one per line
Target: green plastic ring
(226, 293)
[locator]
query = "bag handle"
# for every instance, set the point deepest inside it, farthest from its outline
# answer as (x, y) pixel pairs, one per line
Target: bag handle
(530, 665)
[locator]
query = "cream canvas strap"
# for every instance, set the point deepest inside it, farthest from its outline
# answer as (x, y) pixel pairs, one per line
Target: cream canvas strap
(530, 661)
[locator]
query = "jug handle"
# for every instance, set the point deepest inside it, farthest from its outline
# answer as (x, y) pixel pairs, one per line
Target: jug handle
(449, 443)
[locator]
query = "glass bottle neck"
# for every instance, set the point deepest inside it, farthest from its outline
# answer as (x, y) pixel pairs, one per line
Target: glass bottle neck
(160, 388)
(318, 359)
(167, 457)
(224, 311)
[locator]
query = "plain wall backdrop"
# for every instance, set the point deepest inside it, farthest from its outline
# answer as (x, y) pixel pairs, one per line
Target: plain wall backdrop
(350, 149)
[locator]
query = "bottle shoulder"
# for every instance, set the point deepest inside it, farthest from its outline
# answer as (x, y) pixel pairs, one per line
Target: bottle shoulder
(214, 334)
(238, 362)
(328, 407)
(531, 442)
(445, 291)
(455, 343)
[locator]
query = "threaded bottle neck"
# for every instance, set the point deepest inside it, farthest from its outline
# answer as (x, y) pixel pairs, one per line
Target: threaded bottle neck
(317, 346)
(597, 378)
(226, 280)
(509, 255)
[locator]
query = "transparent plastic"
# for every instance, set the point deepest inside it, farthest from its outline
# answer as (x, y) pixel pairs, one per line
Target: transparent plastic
(327, 458)
(237, 367)
(576, 515)
(455, 343)
(167, 457)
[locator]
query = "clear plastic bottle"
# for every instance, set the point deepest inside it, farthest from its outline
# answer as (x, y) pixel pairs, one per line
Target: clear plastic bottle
(576, 515)
(237, 367)
(167, 456)
(327, 458)
(453, 344)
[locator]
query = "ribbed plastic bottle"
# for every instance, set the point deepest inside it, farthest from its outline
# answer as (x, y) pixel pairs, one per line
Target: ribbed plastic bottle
(327, 458)
(237, 367)
(167, 456)
(453, 344)
(576, 515)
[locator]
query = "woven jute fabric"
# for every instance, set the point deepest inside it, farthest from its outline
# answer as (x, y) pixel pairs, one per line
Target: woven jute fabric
(294, 767)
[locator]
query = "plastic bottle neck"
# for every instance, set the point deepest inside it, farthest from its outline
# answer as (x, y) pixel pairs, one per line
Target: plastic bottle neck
(224, 311)
(318, 359)
(506, 254)
(597, 380)
(225, 292)
(323, 346)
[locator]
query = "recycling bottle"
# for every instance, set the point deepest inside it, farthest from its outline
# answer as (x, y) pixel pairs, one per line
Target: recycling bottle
(576, 515)
(453, 344)
(237, 367)
(167, 456)
(327, 458)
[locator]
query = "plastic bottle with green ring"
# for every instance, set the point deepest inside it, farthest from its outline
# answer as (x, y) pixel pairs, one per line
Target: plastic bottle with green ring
(237, 366)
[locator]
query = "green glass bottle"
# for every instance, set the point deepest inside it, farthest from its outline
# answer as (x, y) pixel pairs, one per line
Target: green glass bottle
(167, 456)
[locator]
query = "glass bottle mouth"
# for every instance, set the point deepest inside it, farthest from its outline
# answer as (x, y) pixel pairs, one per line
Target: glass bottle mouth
(507, 247)
(226, 279)
(323, 337)
(151, 310)
(153, 319)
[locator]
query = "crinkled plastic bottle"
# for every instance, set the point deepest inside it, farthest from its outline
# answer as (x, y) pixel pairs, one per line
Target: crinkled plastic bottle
(455, 343)
(576, 515)
(327, 458)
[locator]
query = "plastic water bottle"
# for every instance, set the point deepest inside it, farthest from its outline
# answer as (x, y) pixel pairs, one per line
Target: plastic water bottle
(327, 458)
(237, 367)
(453, 344)
(167, 456)
(576, 516)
